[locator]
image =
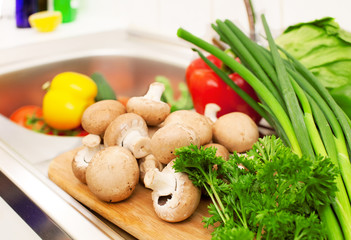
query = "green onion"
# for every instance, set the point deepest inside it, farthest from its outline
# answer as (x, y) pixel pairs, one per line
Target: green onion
(340, 204)
(309, 121)
(342, 118)
(289, 96)
(245, 54)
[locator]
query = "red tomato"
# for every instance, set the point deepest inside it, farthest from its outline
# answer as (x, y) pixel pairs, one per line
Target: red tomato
(31, 117)
(206, 87)
(82, 133)
(123, 100)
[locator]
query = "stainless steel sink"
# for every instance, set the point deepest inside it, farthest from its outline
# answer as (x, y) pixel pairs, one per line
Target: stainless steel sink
(129, 75)
(129, 61)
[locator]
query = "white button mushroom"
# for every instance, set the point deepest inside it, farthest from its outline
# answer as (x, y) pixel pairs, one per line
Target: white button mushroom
(211, 111)
(112, 174)
(221, 150)
(99, 115)
(153, 129)
(197, 121)
(150, 107)
(91, 145)
(236, 131)
(129, 130)
(174, 196)
(166, 139)
(148, 163)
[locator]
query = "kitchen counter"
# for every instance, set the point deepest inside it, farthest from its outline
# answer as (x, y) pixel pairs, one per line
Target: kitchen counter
(84, 24)
(16, 43)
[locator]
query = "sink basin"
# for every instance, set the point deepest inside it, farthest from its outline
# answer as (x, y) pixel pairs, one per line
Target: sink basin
(128, 75)
(129, 61)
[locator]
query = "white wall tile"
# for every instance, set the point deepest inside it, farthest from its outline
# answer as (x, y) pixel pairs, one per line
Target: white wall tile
(272, 10)
(103, 11)
(192, 15)
(232, 10)
(166, 16)
(302, 11)
(143, 14)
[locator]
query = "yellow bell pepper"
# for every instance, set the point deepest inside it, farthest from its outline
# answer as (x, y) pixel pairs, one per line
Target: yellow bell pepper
(68, 96)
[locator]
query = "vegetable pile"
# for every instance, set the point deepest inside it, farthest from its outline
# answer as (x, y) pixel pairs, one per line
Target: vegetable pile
(138, 140)
(293, 186)
(270, 192)
(302, 111)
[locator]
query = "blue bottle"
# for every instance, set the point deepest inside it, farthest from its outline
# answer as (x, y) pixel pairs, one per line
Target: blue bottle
(25, 8)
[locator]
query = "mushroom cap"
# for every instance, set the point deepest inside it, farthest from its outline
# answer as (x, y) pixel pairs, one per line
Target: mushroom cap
(100, 114)
(169, 137)
(153, 112)
(153, 129)
(222, 151)
(180, 203)
(112, 174)
(236, 131)
(197, 121)
(121, 126)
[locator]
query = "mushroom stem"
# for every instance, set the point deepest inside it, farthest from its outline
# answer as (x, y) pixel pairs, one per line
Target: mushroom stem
(174, 196)
(148, 163)
(92, 144)
(211, 111)
(138, 144)
(155, 91)
(164, 183)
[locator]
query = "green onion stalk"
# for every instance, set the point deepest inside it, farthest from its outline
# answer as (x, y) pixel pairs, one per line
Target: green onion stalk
(288, 95)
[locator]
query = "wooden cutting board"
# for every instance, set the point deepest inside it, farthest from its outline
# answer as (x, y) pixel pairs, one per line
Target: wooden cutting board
(134, 215)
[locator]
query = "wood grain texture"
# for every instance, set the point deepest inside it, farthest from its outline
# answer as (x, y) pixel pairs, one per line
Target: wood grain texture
(135, 215)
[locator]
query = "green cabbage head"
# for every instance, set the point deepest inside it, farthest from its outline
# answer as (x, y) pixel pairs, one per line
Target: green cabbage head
(323, 47)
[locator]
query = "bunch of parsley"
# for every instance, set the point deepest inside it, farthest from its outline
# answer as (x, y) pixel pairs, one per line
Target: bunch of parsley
(267, 193)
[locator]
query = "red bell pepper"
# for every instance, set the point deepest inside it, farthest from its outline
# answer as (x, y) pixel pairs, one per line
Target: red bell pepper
(206, 87)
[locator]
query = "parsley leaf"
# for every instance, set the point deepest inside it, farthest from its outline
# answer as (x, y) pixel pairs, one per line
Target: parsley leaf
(268, 192)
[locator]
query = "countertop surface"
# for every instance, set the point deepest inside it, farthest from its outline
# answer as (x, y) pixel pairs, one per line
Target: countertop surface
(19, 45)
(11, 36)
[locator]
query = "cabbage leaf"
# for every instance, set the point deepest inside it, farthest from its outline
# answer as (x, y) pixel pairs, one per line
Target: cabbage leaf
(323, 47)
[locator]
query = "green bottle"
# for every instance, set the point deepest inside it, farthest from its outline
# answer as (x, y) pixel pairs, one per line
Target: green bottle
(68, 8)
